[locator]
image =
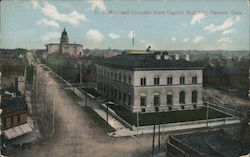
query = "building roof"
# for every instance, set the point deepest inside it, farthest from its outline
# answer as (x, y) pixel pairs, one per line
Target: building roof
(13, 103)
(147, 62)
(10, 89)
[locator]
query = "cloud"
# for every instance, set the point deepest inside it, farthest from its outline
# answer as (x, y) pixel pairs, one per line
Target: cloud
(173, 39)
(35, 4)
(198, 39)
(50, 37)
(131, 34)
(185, 39)
(94, 35)
(46, 22)
(197, 18)
(225, 40)
(143, 41)
(73, 17)
(98, 4)
(228, 23)
(114, 35)
(228, 31)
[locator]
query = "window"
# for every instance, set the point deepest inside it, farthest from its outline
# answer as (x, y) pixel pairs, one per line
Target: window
(182, 97)
(156, 80)
(156, 99)
(111, 75)
(169, 99)
(115, 76)
(129, 79)
(18, 119)
(124, 78)
(108, 74)
(120, 77)
(194, 97)
(143, 81)
(11, 121)
(112, 92)
(120, 95)
(170, 80)
(194, 80)
(182, 80)
(115, 94)
(129, 99)
(143, 99)
(124, 97)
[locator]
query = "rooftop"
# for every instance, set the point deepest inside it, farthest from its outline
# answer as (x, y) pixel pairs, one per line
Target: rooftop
(13, 103)
(147, 62)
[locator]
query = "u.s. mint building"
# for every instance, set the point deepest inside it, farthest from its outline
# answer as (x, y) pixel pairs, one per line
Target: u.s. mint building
(151, 82)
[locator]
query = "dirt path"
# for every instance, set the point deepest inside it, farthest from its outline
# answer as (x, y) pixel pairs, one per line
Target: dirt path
(78, 136)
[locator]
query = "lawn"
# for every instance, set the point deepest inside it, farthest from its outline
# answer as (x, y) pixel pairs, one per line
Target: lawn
(91, 91)
(166, 117)
(74, 97)
(98, 120)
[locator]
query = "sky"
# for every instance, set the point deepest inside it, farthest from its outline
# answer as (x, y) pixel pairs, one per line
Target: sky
(162, 24)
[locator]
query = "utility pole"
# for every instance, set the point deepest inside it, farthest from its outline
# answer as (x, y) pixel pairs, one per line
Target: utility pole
(207, 113)
(53, 117)
(153, 144)
(80, 72)
(138, 122)
(107, 105)
(159, 137)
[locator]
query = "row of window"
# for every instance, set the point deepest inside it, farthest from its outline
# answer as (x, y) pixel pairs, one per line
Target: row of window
(169, 98)
(115, 76)
(169, 80)
(115, 94)
(11, 119)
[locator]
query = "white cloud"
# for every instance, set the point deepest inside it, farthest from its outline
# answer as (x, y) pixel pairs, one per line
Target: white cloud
(94, 35)
(73, 17)
(35, 4)
(114, 35)
(131, 34)
(50, 37)
(98, 4)
(173, 39)
(228, 31)
(197, 18)
(225, 40)
(185, 39)
(198, 39)
(46, 22)
(143, 41)
(228, 23)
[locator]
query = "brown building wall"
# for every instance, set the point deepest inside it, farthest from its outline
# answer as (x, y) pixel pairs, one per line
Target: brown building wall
(14, 120)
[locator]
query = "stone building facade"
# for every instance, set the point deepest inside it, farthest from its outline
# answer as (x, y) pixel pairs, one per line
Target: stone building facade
(64, 47)
(151, 83)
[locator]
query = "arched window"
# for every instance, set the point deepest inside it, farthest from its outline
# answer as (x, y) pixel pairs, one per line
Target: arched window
(182, 79)
(194, 96)
(156, 80)
(182, 97)
(156, 99)
(169, 98)
(143, 99)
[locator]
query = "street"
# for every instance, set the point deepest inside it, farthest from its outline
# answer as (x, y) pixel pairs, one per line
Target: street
(77, 135)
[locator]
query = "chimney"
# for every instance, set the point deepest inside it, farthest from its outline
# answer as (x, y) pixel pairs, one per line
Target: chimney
(187, 57)
(177, 56)
(165, 55)
(157, 55)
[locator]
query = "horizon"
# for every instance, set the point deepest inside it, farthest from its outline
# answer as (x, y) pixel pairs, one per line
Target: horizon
(165, 25)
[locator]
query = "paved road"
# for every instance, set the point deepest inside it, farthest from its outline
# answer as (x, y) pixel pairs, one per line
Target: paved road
(78, 136)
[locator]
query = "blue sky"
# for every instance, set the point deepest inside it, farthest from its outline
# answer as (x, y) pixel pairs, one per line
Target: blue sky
(182, 25)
